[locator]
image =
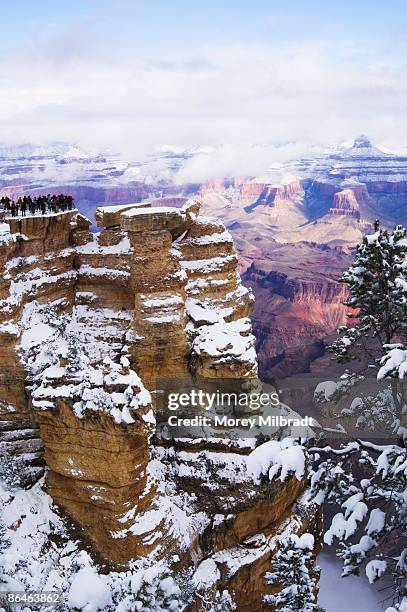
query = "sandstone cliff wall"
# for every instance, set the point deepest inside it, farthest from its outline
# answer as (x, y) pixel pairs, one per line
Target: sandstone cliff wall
(90, 324)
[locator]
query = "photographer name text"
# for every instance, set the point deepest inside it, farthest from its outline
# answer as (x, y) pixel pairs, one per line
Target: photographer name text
(243, 422)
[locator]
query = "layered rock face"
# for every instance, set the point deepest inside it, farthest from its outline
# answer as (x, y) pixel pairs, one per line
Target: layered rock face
(272, 194)
(292, 319)
(306, 229)
(90, 326)
(34, 267)
(346, 202)
(252, 190)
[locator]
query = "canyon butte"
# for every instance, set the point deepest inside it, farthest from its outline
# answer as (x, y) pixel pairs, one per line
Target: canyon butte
(89, 322)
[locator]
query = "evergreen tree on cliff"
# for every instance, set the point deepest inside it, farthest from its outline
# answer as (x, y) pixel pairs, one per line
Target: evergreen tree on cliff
(294, 570)
(365, 481)
(377, 283)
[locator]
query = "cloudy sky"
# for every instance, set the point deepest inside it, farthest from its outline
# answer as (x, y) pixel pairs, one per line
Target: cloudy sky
(132, 75)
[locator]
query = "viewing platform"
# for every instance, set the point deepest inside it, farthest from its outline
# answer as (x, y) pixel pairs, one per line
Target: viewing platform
(145, 217)
(51, 226)
(6, 216)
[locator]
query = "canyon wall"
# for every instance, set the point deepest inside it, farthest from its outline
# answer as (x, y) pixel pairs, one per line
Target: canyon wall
(292, 319)
(90, 324)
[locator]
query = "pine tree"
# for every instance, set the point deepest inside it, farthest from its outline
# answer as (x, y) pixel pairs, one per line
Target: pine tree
(76, 358)
(377, 284)
(370, 524)
(294, 570)
(161, 593)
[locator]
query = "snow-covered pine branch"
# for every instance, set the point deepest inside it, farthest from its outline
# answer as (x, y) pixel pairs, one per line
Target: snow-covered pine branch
(370, 526)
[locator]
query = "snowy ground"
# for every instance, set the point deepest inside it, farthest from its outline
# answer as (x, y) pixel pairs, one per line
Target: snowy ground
(36, 554)
(353, 594)
(30, 560)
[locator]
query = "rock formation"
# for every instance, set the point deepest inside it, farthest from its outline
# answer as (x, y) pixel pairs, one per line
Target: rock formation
(293, 318)
(251, 190)
(89, 325)
(306, 229)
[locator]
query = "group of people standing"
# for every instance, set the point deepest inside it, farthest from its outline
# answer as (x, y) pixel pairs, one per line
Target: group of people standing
(41, 204)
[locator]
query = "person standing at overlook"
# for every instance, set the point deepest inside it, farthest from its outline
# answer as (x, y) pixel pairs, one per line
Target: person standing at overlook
(54, 203)
(31, 205)
(5, 201)
(18, 205)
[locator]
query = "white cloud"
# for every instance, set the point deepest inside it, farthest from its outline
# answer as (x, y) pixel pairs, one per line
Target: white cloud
(82, 89)
(239, 160)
